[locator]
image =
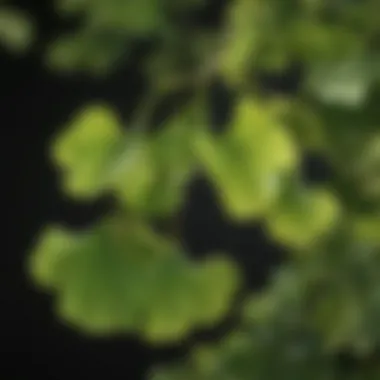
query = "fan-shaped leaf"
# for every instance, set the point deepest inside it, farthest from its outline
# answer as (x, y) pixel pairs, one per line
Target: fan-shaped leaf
(85, 150)
(121, 277)
(242, 164)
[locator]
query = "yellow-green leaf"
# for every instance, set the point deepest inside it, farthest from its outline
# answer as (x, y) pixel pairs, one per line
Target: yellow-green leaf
(85, 149)
(241, 163)
(299, 222)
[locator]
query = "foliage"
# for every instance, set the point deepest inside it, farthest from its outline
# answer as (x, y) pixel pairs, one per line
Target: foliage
(16, 29)
(120, 276)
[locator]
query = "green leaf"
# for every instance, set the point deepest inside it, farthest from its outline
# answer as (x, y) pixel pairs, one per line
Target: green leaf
(175, 161)
(243, 38)
(85, 150)
(16, 30)
(133, 17)
(303, 218)
(133, 173)
(89, 50)
(241, 163)
(155, 169)
(120, 278)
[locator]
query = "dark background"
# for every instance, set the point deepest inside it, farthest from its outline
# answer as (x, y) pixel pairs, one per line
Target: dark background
(34, 104)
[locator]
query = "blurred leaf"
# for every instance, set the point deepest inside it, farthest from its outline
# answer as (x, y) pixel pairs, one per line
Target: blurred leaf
(120, 277)
(344, 83)
(243, 38)
(175, 161)
(87, 51)
(133, 173)
(241, 163)
(85, 150)
(303, 218)
(16, 30)
(135, 17)
(367, 228)
(154, 170)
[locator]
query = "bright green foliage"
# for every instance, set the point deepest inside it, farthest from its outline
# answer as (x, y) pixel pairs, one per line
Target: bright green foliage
(242, 164)
(16, 30)
(147, 175)
(120, 277)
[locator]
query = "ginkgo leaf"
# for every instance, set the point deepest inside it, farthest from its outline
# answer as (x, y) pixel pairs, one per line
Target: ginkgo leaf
(16, 30)
(85, 150)
(212, 276)
(302, 220)
(241, 163)
(175, 163)
(122, 278)
(154, 170)
(133, 174)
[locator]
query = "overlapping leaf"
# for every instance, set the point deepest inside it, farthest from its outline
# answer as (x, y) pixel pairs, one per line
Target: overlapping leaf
(146, 173)
(165, 161)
